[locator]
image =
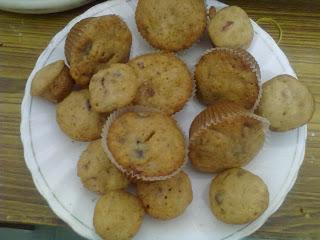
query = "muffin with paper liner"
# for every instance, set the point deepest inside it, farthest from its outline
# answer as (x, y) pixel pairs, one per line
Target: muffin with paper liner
(144, 143)
(225, 135)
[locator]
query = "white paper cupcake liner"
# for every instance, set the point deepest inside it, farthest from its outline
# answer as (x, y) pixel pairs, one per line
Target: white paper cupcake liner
(233, 115)
(247, 57)
(130, 173)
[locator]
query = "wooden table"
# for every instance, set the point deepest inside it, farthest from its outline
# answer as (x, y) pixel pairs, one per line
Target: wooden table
(23, 37)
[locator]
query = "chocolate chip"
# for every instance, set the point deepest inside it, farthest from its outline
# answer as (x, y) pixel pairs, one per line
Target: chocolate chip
(88, 105)
(138, 153)
(240, 173)
(140, 65)
(165, 197)
(170, 189)
(219, 197)
(87, 48)
(227, 25)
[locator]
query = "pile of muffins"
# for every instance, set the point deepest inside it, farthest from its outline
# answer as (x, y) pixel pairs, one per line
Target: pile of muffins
(124, 107)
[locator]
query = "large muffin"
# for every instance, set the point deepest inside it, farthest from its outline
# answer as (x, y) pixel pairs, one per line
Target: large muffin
(146, 145)
(228, 74)
(94, 43)
(224, 135)
(286, 103)
(166, 82)
(171, 24)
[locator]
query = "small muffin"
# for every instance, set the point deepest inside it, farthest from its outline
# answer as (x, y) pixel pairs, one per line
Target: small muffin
(231, 28)
(166, 199)
(76, 118)
(171, 24)
(94, 43)
(286, 103)
(96, 171)
(113, 87)
(118, 215)
(52, 82)
(224, 135)
(166, 82)
(226, 74)
(146, 145)
(237, 196)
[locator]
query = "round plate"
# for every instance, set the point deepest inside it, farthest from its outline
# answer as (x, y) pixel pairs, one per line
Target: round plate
(52, 157)
(40, 6)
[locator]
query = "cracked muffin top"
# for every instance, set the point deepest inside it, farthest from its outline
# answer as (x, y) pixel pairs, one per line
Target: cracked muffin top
(146, 145)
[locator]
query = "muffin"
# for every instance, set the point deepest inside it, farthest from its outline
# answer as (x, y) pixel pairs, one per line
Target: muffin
(166, 199)
(76, 118)
(118, 215)
(113, 87)
(231, 28)
(94, 43)
(166, 82)
(227, 74)
(145, 145)
(96, 171)
(52, 82)
(286, 103)
(225, 135)
(171, 24)
(237, 196)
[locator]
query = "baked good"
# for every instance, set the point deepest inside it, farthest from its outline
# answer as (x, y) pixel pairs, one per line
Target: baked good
(166, 199)
(224, 135)
(166, 82)
(171, 24)
(94, 43)
(228, 74)
(52, 82)
(237, 196)
(118, 215)
(96, 171)
(231, 28)
(146, 145)
(76, 118)
(113, 87)
(286, 103)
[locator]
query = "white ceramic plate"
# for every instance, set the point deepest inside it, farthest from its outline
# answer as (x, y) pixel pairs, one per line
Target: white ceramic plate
(40, 6)
(52, 157)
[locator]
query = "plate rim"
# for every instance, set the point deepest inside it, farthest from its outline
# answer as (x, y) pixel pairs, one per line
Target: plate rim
(36, 173)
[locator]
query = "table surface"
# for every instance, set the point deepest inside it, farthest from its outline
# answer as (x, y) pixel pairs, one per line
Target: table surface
(23, 38)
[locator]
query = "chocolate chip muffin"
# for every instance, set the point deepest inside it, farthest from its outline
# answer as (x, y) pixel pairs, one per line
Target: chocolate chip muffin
(52, 82)
(231, 28)
(94, 43)
(286, 103)
(166, 82)
(166, 199)
(238, 196)
(225, 135)
(146, 145)
(171, 24)
(228, 74)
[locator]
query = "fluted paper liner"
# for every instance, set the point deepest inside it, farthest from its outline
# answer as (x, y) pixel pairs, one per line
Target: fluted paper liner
(246, 57)
(132, 175)
(220, 112)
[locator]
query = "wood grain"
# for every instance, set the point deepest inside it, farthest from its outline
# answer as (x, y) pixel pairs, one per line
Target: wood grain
(22, 39)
